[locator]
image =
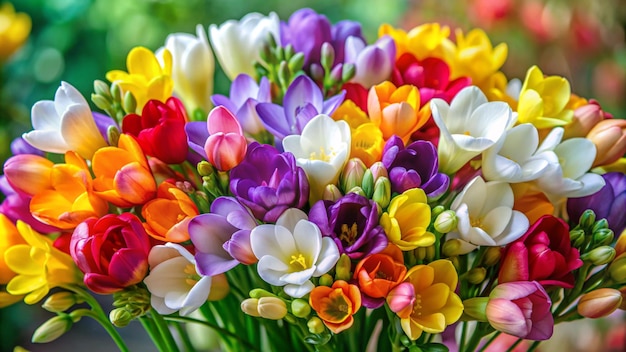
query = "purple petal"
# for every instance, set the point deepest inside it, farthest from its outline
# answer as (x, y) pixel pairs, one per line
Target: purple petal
(242, 88)
(301, 92)
(274, 120)
(197, 134)
(332, 103)
(222, 100)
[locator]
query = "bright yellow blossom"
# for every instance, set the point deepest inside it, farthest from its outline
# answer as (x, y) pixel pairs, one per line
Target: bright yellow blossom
(146, 78)
(367, 138)
(8, 238)
(38, 266)
(14, 30)
(426, 40)
(543, 100)
(406, 220)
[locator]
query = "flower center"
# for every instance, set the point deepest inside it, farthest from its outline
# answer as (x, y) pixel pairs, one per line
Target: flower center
(299, 260)
(417, 306)
(476, 222)
(323, 154)
(192, 276)
(348, 234)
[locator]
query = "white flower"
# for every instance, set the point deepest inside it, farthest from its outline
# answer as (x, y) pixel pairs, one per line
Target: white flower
(485, 215)
(512, 159)
(193, 68)
(570, 161)
(173, 282)
(65, 124)
(237, 43)
(292, 251)
(468, 126)
(321, 150)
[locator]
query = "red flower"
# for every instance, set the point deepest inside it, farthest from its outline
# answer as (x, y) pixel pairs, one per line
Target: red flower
(112, 252)
(543, 254)
(357, 93)
(160, 130)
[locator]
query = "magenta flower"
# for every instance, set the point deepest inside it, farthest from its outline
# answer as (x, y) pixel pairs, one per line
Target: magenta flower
(269, 182)
(222, 237)
(608, 203)
(522, 309)
(352, 222)
(112, 251)
(415, 166)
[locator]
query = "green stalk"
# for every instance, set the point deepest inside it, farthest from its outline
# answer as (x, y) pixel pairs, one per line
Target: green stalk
(222, 331)
(164, 331)
(184, 337)
(151, 329)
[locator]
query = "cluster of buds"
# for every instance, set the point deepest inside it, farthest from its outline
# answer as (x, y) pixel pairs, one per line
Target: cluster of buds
(593, 239)
(214, 182)
(280, 64)
(111, 100)
(131, 303)
(332, 78)
(372, 183)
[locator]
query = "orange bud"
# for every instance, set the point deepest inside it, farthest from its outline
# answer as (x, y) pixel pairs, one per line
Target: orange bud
(609, 136)
(599, 303)
(28, 173)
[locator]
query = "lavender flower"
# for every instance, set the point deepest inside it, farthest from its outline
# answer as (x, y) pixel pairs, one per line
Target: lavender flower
(352, 222)
(222, 237)
(269, 182)
(197, 134)
(608, 203)
(414, 167)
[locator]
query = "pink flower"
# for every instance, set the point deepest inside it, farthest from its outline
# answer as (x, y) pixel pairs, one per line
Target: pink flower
(522, 309)
(226, 146)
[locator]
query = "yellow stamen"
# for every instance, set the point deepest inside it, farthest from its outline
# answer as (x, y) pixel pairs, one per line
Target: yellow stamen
(298, 260)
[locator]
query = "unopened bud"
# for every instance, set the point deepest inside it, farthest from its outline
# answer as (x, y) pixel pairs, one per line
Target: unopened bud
(129, 104)
(379, 170)
(476, 308)
(120, 317)
(335, 74)
(436, 211)
(343, 269)
(296, 62)
(289, 51)
(300, 308)
(367, 184)
(476, 275)
(599, 256)
(603, 237)
(419, 253)
(315, 325)
(284, 76)
(492, 256)
(259, 292)
(327, 56)
(599, 303)
(358, 190)
(352, 174)
(452, 248)
(59, 302)
(317, 72)
(348, 72)
(577, 237)
(272, 308)
(617, 269)
(587, 219)
(332, 193)
(250, 307)
(101, 88)
(446, 221)
(113, 135)
(52, 329)
(382, 192)
(101, 102)
(599, 225)
(326, 280)
(116, 92)
(205, 168)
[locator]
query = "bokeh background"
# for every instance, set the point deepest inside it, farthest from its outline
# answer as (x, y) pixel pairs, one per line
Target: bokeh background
(80, 40)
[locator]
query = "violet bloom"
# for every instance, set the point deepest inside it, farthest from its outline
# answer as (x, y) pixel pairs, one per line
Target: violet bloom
(303, 101)
(197, 134)
(244, 96)
(269, 182)
(222, 237)
(352, 222)
(103, 122)
(373, 63)
(608, 203)
(414, 167)
(20, 146)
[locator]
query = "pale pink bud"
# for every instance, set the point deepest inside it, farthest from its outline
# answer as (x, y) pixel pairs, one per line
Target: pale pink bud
(226, 146)
(401, 299)
(609, 136)
(585, 118)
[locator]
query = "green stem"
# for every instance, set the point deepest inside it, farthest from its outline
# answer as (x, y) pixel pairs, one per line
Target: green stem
(164, 330)
(217, 328)
(151, 329)
(106, 324)
(184, 337)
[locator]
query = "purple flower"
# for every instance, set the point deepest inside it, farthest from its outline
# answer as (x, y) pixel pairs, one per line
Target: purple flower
(244, 96)
(269, 182)
(20, 146)
(197, 134)
(374, 63)
(103, 122)
(352, 222)
(222, 237)
(16, 206)
(414, 167)
(608, 203)
(303, 101)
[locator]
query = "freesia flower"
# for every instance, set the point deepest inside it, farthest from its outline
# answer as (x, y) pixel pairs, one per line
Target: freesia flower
(378, 274)
(373, 63)
(226, 146)
(352, 223)
(396, 110)
(607, 203)
(522, 309)
(237, 44)
(415, 166)
(112, 251)
(269, 182)
(16, 206)
(543, 100)
(531, 201)
(174, 283)
(609, 137)
(406, 220)
(485, 215)
(147, 78)
(336, 305)
(543, 254)
(436, 305)
(584, 119)
(168, 215)
(15, 30)
(9, 237)
(160, 130)
(321, 150)
(426, 40)
(222, 237)
(245, 95)
(38, 266)
(193, 67)
(65, 124)
(292, 251)
(468, 126)
(302, 102)
(367, 138)
(123, 176)
(599, 303)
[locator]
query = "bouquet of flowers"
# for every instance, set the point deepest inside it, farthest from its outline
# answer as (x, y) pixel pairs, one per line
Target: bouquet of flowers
(345, 195)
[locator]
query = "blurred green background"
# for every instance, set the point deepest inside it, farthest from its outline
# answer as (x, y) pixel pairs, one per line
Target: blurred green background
(78, 41)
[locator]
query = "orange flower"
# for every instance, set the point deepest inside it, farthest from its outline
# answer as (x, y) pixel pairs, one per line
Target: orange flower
(123, 176)
(335, 305)
(533, 203)
(396, 110)
(378, 274)
(168, 215)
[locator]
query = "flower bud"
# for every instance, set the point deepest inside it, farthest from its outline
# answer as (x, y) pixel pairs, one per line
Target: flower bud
(336, 74)
(379, 170)
(476, 275)
(101, 102)
(588, 219)
(437, 210)
(367, 184)
(101, 88)
(315, 325)
(352, 174)
(332, 193)
(492, 256)
(622, 291)
(476, 308)
(617, 269)
(609, 136)
(296, 62)
(419, 253)
(599, 256)
(300, 308)
(272, 308)
(52, 329)
(343, 268)
(358, 190)
(250, 307)
(120, 317)
(327, 56)
(129, 104)
(446, 222)
(205, 168)
(326, 280)
(348, 71)
(59, 302)
(317, 72)
(603, 237)
(259, 292)
(451, 248)
(382, 192)
(599, 225)
(401, 298)
(599, 303)
(577, 237)
(585, 118)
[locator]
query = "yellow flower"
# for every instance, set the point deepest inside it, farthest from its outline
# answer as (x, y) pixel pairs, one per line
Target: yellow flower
(543, 100)
(407, 219)
(436, 305)
(38, 266)
(367, 139)
(426, 40)
(8, 238)
(146, 78)
(14, 30)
